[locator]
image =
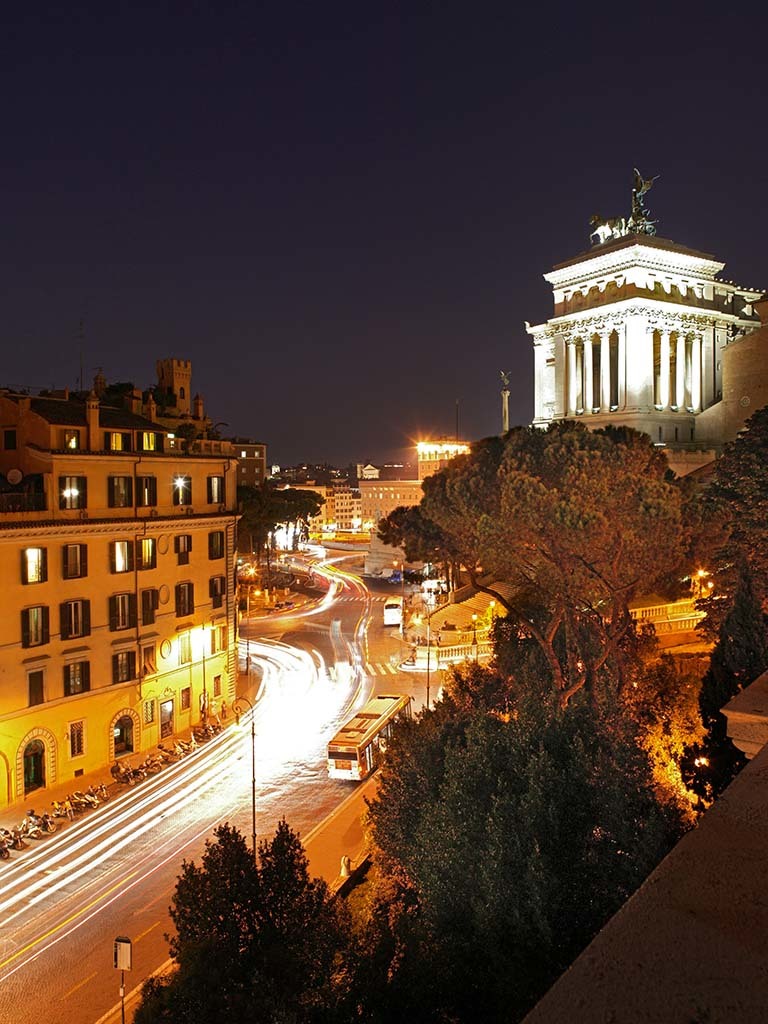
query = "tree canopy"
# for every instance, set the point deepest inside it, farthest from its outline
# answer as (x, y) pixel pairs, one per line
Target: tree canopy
(573, 523)
(253, 941)
(266, 507)
(516, 838)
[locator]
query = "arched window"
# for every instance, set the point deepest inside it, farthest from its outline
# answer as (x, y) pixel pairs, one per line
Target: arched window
(123, 734)
(34, 766)
(181, 393)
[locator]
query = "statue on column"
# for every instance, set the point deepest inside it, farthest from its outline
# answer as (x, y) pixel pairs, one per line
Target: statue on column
(504, 402)
(640, 221)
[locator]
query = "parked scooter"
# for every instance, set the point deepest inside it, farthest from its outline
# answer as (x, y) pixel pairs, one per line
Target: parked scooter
(14, 838)
(167, 756)
(98, 793)
(43, 821)
(63, 809)
(5, 849)
(188, 746)
(29, 828)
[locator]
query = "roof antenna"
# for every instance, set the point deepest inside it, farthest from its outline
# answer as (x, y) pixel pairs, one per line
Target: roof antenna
(457, 420)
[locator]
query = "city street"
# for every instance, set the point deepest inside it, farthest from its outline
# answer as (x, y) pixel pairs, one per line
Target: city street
(111, 873)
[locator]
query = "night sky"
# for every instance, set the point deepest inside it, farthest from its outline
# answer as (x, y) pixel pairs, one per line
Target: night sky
(342, 213)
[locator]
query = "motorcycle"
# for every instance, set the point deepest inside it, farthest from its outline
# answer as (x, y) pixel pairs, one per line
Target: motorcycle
(5, 851)
(167, 756)
(13, 838)
(188, 746)
(81, 802)
(151, 765)
(98, 792)
(63, 809)
(43, 821)
(123, 772)
(29, 828)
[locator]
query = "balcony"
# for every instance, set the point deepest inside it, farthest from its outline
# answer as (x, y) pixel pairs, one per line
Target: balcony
(11, 501)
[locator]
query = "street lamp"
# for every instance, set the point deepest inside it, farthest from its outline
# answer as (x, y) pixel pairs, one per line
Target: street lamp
(402, 594)
(474, 633)
(244, 700)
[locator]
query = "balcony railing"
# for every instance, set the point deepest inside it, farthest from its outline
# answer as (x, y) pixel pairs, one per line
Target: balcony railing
(13, 502)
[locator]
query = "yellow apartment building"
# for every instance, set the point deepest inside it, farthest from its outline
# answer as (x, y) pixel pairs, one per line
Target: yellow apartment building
(117, 557)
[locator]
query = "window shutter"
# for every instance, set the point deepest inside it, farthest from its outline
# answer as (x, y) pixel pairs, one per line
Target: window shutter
(191, 598)
(64, 562)
(112, 558)
(132, 610)
(83, 488)
(113, 613)
(210, 490)
(156, 598)
(86, 618)
(44, 563)
(132, 664)
(129, 552)
(64, 620)
(62, 499)
(24, 566)
(86, 675)
(211, 545)
(83, 559)
(46, 624)
(111, 491)
(178, 599)
(25, 628)
(115, 668)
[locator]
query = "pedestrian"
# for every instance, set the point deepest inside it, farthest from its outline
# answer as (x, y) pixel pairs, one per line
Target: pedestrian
(223, 711)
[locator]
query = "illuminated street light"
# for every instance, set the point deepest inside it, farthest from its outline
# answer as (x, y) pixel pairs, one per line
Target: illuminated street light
(245, 700)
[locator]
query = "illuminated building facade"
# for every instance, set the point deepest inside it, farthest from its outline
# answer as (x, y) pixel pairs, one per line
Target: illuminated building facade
(640, 337)
(117, 560)
(435, 455)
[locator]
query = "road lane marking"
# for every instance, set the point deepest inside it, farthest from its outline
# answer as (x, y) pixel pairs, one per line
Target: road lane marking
(67, 921)
(79, 985)
(147, 931)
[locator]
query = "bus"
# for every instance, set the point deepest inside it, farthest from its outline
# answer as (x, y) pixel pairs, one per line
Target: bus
(358, 747)
(393, 611)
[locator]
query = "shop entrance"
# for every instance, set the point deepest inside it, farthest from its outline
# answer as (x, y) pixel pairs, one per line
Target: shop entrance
(166, 718)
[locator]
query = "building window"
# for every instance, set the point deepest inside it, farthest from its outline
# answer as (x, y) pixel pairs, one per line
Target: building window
(217, 686)
(217, 588)
(76, 739)
(123, 666)
(149, 712)
(148, 441)
(186, 698)
(182, 545)
(122, 612)
(117, 441)
(34, 565)
(74, 561)
(120, 492)
(182, 490)
(218, 639)
(185, 599)
(146, 553)
(216, 544)
(73, 492)
(72, 440)
(75, 619)
(35, 680)
(185, 648)
(148, 660)
(9, 440)
(34, 626)
(146, 491)
(77, 678)
(215, 490)
(120, 556)
(150, 600)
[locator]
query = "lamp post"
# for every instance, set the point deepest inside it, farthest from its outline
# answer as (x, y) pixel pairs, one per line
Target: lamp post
(204, 715)
(474, 634)
(244, 700)
(402, 595)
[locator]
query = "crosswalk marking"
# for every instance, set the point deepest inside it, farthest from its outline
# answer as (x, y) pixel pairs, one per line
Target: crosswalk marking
(380, 669)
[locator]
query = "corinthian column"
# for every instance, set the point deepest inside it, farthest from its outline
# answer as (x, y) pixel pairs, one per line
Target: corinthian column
(664, 370)
(680, 373)
(588, 378)
(605, 373)
(573, 384)
(696, 374)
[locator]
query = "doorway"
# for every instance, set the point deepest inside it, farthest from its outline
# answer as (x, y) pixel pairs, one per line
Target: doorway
(34, 766)
(166, 718)
(123, 734)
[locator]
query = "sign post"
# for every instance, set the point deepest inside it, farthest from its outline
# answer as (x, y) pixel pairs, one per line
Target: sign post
(122, 964)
